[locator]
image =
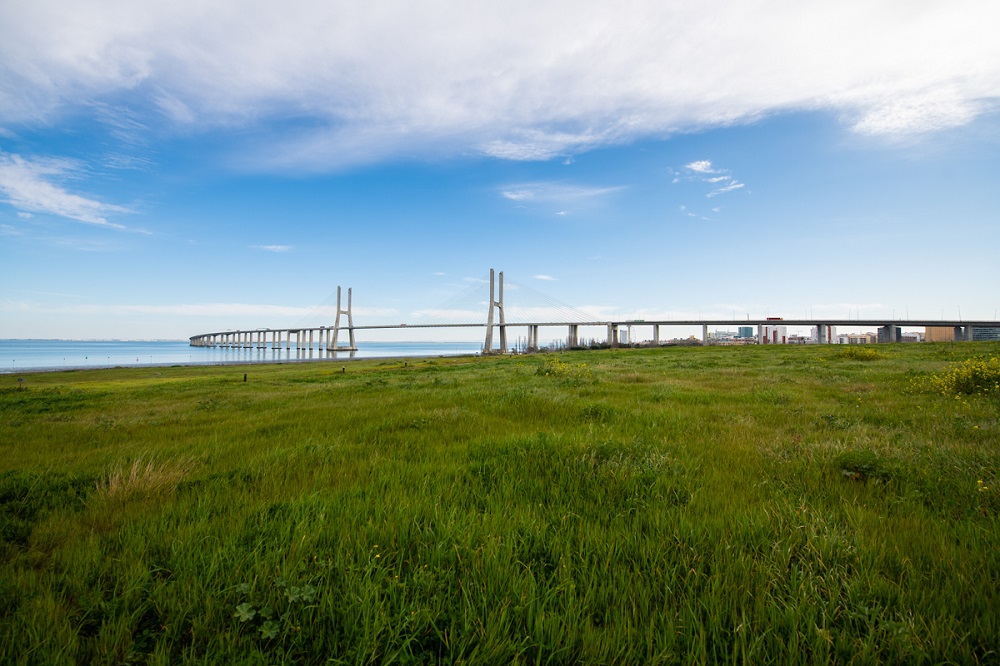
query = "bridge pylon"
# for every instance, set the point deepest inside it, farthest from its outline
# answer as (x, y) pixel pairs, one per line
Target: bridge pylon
(495, 303)
(332, 345)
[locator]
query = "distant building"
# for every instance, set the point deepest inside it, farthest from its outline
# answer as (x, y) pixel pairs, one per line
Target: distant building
(986, 332)
(773, 334)
(857, 338)
(744, 332)
(939, 334)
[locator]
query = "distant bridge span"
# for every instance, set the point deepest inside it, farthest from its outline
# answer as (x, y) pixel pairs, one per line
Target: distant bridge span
(326, 338)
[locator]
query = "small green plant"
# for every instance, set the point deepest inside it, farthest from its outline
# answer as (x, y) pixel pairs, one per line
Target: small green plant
(863, 465)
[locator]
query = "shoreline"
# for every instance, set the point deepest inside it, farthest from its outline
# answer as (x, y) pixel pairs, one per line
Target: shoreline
(216, 364)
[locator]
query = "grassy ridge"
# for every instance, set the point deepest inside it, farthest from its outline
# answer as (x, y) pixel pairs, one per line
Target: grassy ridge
(658, 506)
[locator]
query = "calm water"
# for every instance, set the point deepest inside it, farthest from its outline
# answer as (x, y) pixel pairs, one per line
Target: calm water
(27, 355)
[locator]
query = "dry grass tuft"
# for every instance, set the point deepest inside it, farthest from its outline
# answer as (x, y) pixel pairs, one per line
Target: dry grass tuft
(142, 478)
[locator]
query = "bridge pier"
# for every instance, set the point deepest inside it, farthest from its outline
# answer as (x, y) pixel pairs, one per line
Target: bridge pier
(656, 334)
(573, 337)
(704, 334)
(612, 334)
(889, 333)
(532, 338)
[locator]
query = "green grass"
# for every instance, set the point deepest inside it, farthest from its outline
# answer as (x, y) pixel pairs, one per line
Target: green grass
(691, 505)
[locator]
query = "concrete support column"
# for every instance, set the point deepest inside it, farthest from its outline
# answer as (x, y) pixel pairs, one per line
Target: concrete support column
(288, 340)
(310, 339)
(704, 334)
(889, 333)
(573, 337)
(760, 335)
(822, 334)
(656, 334)
(968, 334)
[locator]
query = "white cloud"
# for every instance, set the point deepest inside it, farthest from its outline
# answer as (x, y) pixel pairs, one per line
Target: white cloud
(562, 193)
(515, 80)
(701, 166)
(704, 171)
(732, 185)
(517, 195)
(24, 216)
(543, 277)
(273, 248)
(27, 185)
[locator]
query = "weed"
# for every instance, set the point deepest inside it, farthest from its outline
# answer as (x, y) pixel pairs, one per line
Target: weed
(861, 353)
(973, 377)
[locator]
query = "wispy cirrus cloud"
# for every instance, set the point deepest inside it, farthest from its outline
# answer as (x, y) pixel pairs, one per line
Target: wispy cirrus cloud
(273, 248)
(563, 194)
(543, 277)
(31, 186)
(721, 180)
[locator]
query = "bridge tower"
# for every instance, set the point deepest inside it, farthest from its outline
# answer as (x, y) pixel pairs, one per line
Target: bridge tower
(497, 304)
(332, 346)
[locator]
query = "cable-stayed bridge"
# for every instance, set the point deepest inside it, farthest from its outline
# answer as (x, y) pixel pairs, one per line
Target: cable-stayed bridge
(533, 311)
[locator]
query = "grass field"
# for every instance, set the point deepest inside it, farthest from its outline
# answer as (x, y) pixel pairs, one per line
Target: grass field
(745, 505)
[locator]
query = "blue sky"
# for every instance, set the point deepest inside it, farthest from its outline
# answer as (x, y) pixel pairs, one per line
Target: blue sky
(172, 170)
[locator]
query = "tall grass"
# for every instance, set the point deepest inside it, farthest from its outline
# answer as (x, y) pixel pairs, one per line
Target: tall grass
(656, 506)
